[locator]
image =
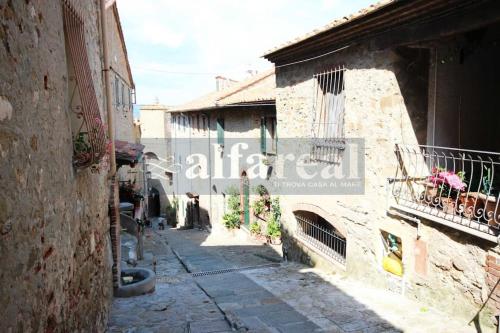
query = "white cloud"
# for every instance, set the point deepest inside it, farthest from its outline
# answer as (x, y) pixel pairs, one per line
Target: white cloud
(218, 36)
(157, 33)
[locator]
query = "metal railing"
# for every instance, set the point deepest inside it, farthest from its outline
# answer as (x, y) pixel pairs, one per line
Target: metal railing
(328, 114)
(90, 139)
(449, 184)
(325, 240)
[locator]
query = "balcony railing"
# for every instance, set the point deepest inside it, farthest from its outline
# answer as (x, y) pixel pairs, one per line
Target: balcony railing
(455, 187)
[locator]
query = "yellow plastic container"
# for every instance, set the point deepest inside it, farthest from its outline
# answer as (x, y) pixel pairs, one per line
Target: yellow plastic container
(392, 265)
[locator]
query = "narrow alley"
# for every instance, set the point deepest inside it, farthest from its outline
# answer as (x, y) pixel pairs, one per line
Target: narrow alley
(249, 166)
(227, 283)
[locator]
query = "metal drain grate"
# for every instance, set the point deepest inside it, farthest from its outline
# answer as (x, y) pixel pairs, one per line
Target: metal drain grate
(231, 270)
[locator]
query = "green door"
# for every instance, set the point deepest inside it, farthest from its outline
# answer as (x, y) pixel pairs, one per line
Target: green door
(246, 203)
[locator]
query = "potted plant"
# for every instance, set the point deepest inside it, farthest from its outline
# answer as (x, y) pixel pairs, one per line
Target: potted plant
(274, 231)
(489, 201)
(232, 219)
(255, 228)
(273, 224)
(471, 204)
(449, 186)
(258, 207)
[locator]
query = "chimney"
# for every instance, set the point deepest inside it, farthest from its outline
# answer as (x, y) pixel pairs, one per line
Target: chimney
(252, 72)
(222, 83)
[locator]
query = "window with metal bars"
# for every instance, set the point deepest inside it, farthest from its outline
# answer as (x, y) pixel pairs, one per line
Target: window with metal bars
(89, 137)
(328, 113)
(320, 235)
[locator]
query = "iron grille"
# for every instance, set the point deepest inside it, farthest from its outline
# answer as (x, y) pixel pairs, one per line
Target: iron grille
(325, 240)
(455, 185)
(89, 110)
(328, 115)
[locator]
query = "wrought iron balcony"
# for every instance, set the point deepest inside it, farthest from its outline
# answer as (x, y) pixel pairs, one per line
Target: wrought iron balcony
(455, 187)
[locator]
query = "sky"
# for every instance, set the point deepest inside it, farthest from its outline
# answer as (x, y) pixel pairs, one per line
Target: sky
(177, 47)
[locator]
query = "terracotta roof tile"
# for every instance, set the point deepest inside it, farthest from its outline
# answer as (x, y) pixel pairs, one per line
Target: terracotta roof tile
(260, 87)
(333, 24)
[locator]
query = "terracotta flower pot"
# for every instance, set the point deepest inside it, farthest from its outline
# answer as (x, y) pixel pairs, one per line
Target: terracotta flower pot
(275, 240)
(491, 209)
(471, 204)
(449, 205)
(429, 194)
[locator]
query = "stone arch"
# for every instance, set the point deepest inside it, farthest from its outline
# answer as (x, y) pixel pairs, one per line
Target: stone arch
(150, 155)
(305, 207)
(245, 198)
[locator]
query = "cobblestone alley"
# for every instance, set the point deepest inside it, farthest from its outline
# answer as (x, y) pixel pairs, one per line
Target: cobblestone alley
(223, 284)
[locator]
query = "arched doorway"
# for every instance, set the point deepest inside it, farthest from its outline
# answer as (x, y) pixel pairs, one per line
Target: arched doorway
(154, 202)
(245, 198)
(316, 232)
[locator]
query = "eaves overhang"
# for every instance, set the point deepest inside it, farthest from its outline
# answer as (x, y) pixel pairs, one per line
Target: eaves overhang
(389, 17)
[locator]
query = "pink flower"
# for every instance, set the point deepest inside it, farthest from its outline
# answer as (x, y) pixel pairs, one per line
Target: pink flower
(447, 177)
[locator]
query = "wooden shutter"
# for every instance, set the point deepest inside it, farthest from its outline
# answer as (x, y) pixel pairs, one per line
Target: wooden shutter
(263, 135)
(220, 131)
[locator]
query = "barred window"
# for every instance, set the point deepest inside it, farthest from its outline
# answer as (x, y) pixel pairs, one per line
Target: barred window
(89, 137)
(329, 103)
(328, 115)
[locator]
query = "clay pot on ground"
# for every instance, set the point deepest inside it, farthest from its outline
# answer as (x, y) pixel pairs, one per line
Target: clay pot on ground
(275, 240)
(471, 204)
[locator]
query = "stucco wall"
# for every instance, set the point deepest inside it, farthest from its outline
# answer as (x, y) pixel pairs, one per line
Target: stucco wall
(383, 108)
(54, 238)
(155, 136)
(239, 123)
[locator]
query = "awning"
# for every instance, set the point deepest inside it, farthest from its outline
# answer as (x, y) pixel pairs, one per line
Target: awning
(127, 153)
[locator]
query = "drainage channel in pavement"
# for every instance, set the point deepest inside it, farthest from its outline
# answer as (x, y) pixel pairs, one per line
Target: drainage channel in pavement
(231, 270)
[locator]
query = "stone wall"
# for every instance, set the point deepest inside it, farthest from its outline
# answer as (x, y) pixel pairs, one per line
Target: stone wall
(54, 228)
(444, 267)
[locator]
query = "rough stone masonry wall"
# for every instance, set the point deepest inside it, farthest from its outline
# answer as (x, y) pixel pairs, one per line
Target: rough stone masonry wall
(55, 264)
(444, 268)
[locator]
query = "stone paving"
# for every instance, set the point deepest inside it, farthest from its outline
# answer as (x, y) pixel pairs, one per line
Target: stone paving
(262, 296)
(177, 304)
(331, 301)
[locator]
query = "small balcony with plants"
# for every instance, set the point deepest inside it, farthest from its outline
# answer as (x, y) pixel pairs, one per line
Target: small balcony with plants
(454, 187)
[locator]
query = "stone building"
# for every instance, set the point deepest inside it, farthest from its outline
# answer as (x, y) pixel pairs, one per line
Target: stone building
(122, 90)
(55, 249)
(210, 126)
(417, 82)
(155, 136)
